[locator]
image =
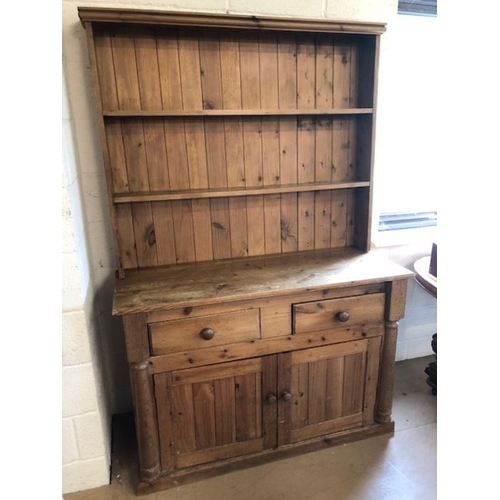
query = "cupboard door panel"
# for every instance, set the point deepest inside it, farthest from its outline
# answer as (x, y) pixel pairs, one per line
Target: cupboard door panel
(332, 389)
(204, 414)
(216, 411)
(225, 432)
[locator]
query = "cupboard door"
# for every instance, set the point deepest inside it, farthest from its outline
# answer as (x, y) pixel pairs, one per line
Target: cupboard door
(327, 389)
(216, 412)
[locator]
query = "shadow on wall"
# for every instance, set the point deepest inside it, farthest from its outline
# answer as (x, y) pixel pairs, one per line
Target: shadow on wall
(113, 358)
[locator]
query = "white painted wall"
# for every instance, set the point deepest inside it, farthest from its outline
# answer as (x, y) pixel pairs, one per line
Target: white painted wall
(86, 417)
(95, 377)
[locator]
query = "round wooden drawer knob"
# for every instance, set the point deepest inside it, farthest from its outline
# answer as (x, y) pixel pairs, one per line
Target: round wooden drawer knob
(343, 316)
(271, 399)
(207, 334)
(286, 396)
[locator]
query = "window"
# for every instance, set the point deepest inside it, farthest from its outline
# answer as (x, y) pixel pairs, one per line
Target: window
(408, 131)
(420, 7)
(392, 222)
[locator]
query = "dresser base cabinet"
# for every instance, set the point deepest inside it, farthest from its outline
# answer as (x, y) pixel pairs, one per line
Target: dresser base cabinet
(243, 374)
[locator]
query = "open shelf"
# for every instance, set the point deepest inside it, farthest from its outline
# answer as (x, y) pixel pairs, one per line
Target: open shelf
(234, 112)
(223, 143)
(233, 192)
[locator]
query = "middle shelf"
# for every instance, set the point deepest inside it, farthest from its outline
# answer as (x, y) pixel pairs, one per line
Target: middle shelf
(232, 156)
(233, 192)
(207, 112)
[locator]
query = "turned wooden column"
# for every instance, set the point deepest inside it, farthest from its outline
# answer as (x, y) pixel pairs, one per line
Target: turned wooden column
(143, 395)
(386, 386)
(395, 308)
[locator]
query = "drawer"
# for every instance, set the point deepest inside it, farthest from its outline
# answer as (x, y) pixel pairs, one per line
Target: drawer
(338, 313)
(204, 331)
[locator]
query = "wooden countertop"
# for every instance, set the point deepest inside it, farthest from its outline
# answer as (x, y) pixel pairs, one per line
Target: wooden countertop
(183, 285)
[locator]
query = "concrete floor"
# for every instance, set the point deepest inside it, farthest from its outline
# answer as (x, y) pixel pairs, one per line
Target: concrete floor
(401, 467)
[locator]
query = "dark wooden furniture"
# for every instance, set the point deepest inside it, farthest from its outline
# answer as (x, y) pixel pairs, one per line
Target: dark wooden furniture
(423, 277)
(424, 269)
(238, 153)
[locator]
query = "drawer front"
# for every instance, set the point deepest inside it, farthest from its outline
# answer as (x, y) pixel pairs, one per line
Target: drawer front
(204, 331)
(338, 313)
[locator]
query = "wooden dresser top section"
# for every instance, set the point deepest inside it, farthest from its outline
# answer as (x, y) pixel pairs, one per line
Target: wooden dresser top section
(230, 136)
(110, 15)
(194, 284)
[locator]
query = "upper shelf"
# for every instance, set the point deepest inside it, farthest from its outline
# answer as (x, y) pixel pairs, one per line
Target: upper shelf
(236, 112)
